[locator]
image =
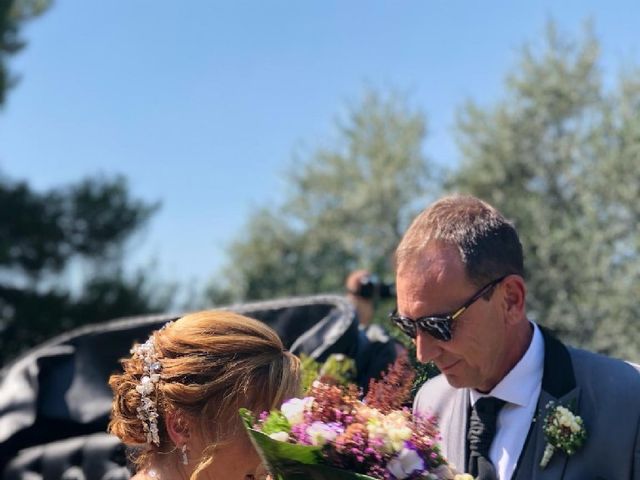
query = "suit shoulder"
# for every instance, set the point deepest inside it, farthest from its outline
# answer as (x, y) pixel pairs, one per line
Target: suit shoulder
(603, 376)
(594, 363)
(433, 395)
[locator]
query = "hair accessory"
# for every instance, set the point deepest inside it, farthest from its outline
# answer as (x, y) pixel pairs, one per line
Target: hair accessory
(148, 411)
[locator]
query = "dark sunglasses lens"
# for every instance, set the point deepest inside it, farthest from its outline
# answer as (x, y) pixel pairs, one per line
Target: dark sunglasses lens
(440, 329)
(407, 326)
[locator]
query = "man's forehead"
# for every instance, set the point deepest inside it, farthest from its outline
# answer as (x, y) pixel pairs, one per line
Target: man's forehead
(434, 264)
(431, 287)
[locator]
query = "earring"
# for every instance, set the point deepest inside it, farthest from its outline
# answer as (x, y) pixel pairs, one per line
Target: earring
(185, 458)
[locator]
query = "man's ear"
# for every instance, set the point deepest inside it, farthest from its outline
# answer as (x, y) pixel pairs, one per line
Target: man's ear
(515, 294)
(177, 427)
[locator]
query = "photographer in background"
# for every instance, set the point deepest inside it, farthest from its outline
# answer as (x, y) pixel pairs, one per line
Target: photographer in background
(376, 349)
(366, 290)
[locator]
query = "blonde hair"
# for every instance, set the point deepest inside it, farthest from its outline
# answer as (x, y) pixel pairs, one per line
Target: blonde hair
(213, 363)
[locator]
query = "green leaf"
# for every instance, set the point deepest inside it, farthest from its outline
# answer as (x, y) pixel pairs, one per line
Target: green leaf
(276, 422)
(247, 418)
(340, 368)
(287, 461)
(310, 371)
(319, 472)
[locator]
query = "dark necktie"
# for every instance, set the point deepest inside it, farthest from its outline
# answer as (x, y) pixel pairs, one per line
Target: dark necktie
(482, 429)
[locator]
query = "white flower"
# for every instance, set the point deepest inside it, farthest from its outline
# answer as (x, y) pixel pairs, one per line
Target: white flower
(375, 427)
(392, 430)
(567, 419)
(280, 436)
(366, 412)
(294, 409)
(564, 430)
(405, 463)
(397, 429)
(321, 433)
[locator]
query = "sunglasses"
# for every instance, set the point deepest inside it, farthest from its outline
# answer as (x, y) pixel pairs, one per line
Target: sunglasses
(438, 326)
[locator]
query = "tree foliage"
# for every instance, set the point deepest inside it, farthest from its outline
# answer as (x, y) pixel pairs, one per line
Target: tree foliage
(559, 153)
(346, 207)
(43, 235)
(13, 14)
(560, 156)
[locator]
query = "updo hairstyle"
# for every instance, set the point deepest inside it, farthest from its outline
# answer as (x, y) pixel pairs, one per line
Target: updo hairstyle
(212, 364)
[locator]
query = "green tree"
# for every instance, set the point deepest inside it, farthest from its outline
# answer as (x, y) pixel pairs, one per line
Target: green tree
(44, 235)
(346, 207)
(560, 155)
(13, 14)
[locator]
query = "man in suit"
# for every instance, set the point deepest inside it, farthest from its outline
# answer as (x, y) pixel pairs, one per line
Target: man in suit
(461, 295)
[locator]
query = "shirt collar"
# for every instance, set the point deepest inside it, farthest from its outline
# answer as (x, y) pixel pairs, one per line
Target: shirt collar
(520, 384)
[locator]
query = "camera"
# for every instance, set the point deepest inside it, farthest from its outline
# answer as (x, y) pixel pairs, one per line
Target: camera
(370, 286)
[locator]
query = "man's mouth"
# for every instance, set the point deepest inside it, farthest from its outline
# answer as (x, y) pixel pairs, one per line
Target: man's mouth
(448, 367)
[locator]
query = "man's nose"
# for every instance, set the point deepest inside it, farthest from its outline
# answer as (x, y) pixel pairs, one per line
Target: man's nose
(427, 347)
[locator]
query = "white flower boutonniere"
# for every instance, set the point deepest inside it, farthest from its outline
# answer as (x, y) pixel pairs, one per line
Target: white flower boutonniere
(564, 430)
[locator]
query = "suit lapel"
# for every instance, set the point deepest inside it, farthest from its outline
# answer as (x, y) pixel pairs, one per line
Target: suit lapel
(457, 428)
(558, 386)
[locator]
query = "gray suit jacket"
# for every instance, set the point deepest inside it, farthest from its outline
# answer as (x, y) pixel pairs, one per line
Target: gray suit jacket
(605, 392)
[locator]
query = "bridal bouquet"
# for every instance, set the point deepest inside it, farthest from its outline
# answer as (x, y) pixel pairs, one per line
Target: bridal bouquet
(331, 434)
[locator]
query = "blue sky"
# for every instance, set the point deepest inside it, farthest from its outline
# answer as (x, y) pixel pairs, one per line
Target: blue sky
(201, 104)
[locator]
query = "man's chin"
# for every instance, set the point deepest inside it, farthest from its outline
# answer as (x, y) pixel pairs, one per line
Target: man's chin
(455, 381)
(458, 381)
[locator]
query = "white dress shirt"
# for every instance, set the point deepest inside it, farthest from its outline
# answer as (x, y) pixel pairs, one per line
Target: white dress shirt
(520, 388)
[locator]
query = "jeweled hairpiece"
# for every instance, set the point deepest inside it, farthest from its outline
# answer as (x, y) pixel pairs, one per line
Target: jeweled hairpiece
(148, 409)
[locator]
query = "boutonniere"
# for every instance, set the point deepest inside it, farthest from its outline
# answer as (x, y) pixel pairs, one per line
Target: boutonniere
(564, 431)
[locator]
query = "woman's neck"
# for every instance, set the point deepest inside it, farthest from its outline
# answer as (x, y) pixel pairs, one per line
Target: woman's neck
(162, 471)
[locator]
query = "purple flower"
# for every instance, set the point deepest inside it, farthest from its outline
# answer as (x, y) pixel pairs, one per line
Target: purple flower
(299, 432)
(321, 433)
(405, 463)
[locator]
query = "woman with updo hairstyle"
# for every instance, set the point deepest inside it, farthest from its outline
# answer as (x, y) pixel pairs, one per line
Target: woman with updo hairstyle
(178, 397)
